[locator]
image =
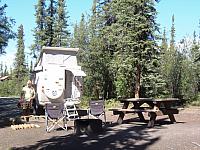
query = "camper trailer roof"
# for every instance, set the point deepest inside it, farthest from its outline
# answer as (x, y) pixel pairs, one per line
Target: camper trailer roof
(45, 48)
(60, 49)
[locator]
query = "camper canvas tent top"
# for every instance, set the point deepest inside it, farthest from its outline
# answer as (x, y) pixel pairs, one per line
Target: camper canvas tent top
(57, 76)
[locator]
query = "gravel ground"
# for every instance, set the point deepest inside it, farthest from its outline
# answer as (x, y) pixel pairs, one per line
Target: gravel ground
(132, 134)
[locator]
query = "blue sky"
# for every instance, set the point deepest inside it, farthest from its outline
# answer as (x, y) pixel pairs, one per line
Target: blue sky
(187, 15)
(23, 12)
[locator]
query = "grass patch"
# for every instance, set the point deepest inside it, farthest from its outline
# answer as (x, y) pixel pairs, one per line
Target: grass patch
(195, 103)
(111, 103)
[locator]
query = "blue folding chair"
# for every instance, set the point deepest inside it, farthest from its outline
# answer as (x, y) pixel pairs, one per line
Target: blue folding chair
(97, 109)
(55, 116)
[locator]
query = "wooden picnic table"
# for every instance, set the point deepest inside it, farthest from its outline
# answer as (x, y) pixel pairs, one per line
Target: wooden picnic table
(154, 108)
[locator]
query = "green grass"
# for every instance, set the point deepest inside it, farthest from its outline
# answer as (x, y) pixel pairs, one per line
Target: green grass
(195, 103)
(111, 103)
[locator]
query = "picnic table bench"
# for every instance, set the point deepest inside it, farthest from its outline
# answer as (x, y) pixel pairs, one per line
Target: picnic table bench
(154, 108)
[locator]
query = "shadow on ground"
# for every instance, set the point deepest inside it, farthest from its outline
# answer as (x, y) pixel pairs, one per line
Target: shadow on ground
(131, 135)
(114, 137)
(8, 110)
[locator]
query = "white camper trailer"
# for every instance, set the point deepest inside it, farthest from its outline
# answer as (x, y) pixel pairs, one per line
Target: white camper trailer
(57, 75)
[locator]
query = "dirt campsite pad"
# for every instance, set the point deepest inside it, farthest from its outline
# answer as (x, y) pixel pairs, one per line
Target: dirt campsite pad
(132, 134)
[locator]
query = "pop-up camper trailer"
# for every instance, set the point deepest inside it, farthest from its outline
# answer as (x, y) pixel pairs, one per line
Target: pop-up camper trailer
(57, 75)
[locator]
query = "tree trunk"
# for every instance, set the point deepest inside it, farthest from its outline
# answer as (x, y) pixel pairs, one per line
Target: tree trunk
(110, 89)
(97, 90)
(137, 81)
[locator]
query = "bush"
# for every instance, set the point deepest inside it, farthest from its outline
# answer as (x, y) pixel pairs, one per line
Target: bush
(84, 102)
(111, 103)
(195, 101)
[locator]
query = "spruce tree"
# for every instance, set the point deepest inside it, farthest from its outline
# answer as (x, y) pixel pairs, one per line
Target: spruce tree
(83, 34)
(74, 38)
(40, 38)
(31, 67)
(164, 44)
(20, 67)
(5, 70)
(80, 38)
(174, 63)
(136, 52)
(194, 67)
(6, 25)
(90, 58)
(165, 60)
(106, 19)
(50, 22)
(61, 33)
(93, 56)
(172, 39)
(51, 25)
(1, 69)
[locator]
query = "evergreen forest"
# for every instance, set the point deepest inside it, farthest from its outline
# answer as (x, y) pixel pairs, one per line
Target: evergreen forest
(123, 50)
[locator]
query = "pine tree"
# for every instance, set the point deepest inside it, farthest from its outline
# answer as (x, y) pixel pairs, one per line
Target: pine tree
(194, 67)
(83, 34)
(20, 69)
(31, 67)
(5, 70)
(133, 35)
(40, 38)
(164, 44)
(6, 32)
(93, 57)
(50, 22)
(74, 38)
(1, 69)
(172, 39)
(80, 38)
(61, 33)
(90, 58)
(175, 68)
(174, 63)
(165, 60)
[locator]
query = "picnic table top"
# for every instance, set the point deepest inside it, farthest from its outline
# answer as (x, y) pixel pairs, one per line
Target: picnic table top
(149, 100)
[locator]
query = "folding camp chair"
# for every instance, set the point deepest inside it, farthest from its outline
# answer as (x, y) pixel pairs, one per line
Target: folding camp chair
(55, 116)
(97, 109)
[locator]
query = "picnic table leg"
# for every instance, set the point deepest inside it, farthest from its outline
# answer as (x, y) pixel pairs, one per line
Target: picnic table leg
(121, 115)
(172, 118)
(171, 115)
(120, 118)
(141, 116)
(152, 119)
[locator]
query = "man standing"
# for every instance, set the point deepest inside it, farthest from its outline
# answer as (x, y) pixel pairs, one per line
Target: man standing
(29, 95)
